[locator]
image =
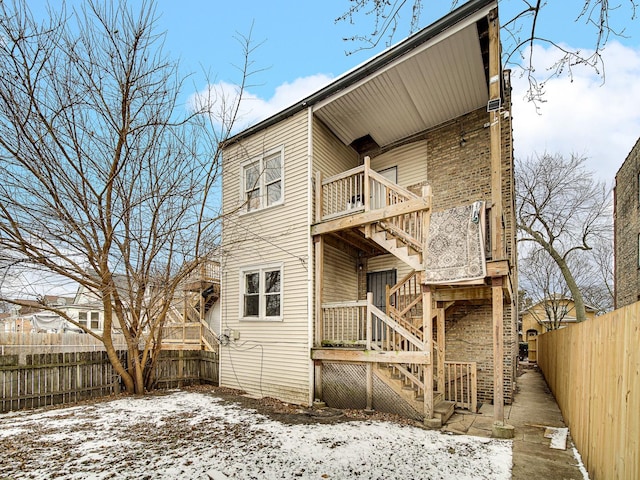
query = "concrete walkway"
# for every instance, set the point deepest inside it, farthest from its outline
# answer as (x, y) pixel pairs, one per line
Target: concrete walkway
(533, 409)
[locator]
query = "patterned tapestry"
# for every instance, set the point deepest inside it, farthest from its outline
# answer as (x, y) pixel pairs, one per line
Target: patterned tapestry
(455, 245)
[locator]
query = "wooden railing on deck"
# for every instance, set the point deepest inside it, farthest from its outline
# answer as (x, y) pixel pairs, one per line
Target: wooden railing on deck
(343, 193)
(460, 384)
(181, 333)
(207, 271)
(362, 190)
(344, 323)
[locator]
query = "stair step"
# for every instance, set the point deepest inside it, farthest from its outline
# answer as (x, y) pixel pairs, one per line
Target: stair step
(443, 410)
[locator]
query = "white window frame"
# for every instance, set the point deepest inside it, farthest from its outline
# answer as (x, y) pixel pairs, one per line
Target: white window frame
(90, 318)
(262, 294)
(261, 184)
(95, 314)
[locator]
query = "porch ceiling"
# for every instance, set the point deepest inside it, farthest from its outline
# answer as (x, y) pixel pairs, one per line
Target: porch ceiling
(439, 81)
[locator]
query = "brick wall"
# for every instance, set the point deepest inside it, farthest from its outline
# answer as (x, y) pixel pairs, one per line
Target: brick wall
(627, 229)
(469, 339)
(460, 174)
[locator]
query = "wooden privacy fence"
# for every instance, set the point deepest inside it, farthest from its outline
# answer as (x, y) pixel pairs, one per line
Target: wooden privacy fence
(55, 378)
(593, 369)
(23, 343)
(179, 368)
(38, 380)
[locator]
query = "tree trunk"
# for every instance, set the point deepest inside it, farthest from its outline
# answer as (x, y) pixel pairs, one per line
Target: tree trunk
(571, 282)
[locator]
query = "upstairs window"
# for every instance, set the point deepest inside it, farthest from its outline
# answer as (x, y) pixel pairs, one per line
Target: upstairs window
(262, 293)
(262, 181)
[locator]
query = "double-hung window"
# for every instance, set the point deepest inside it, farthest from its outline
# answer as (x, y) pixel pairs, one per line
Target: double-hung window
(262, 181)
(262, 293)
(95, 320)
(89, 319)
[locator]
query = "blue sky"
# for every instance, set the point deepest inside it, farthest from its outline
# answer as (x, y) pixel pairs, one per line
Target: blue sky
(302, 48)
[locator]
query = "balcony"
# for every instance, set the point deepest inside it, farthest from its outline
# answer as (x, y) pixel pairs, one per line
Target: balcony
(361, 196)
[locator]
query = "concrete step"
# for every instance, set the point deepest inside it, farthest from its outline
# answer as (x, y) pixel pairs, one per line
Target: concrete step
(443, 410)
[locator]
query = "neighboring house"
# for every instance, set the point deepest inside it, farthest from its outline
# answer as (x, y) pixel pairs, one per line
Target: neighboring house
(369, 234)
(31, 316)
(547, 315)
(626, 220)
(552, 314)
(193, 319)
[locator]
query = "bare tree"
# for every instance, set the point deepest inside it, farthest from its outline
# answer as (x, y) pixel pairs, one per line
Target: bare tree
(522, 27)
(106, 182)
(564, 212)
(546, 295)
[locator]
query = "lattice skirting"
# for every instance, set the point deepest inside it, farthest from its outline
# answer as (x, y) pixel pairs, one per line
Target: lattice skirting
(344, 386)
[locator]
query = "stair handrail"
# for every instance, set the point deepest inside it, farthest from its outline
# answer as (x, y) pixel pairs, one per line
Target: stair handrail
(401, 191)
(398, 310)
(209, 338)
(395, 326)
(407, 227)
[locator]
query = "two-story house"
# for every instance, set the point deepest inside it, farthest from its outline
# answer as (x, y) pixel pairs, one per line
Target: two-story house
(369, 241)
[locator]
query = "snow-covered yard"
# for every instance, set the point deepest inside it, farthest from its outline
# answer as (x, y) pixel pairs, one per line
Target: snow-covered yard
(199, 435)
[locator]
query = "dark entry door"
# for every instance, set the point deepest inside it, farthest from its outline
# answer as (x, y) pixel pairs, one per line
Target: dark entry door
(376, 284)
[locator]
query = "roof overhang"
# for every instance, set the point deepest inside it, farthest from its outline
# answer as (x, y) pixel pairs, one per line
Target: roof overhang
(434, 76)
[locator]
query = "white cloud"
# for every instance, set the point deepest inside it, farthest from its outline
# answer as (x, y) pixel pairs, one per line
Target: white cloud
(586, 116)
(252, 107)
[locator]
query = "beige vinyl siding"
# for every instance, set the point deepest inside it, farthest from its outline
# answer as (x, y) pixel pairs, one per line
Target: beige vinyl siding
(330, 155)
(271, 358)
(340, 279)
(410, 160)
(388, 262)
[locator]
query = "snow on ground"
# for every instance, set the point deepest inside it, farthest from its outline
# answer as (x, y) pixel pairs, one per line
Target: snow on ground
(195, 435)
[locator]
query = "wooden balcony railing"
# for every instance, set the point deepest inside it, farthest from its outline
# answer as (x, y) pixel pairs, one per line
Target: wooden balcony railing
(182, 334)
(362, 190)
(344, 323)
(361, 323)
(461, 384)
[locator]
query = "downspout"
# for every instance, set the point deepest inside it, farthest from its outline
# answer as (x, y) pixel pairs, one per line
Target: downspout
(310, 262)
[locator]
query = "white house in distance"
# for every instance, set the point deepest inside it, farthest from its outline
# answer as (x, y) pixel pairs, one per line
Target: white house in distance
(369, 243)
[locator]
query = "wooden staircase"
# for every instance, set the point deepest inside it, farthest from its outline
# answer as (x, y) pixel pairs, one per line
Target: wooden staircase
(393, 244)
(407, 380)
(366, 210)
(186, 328)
